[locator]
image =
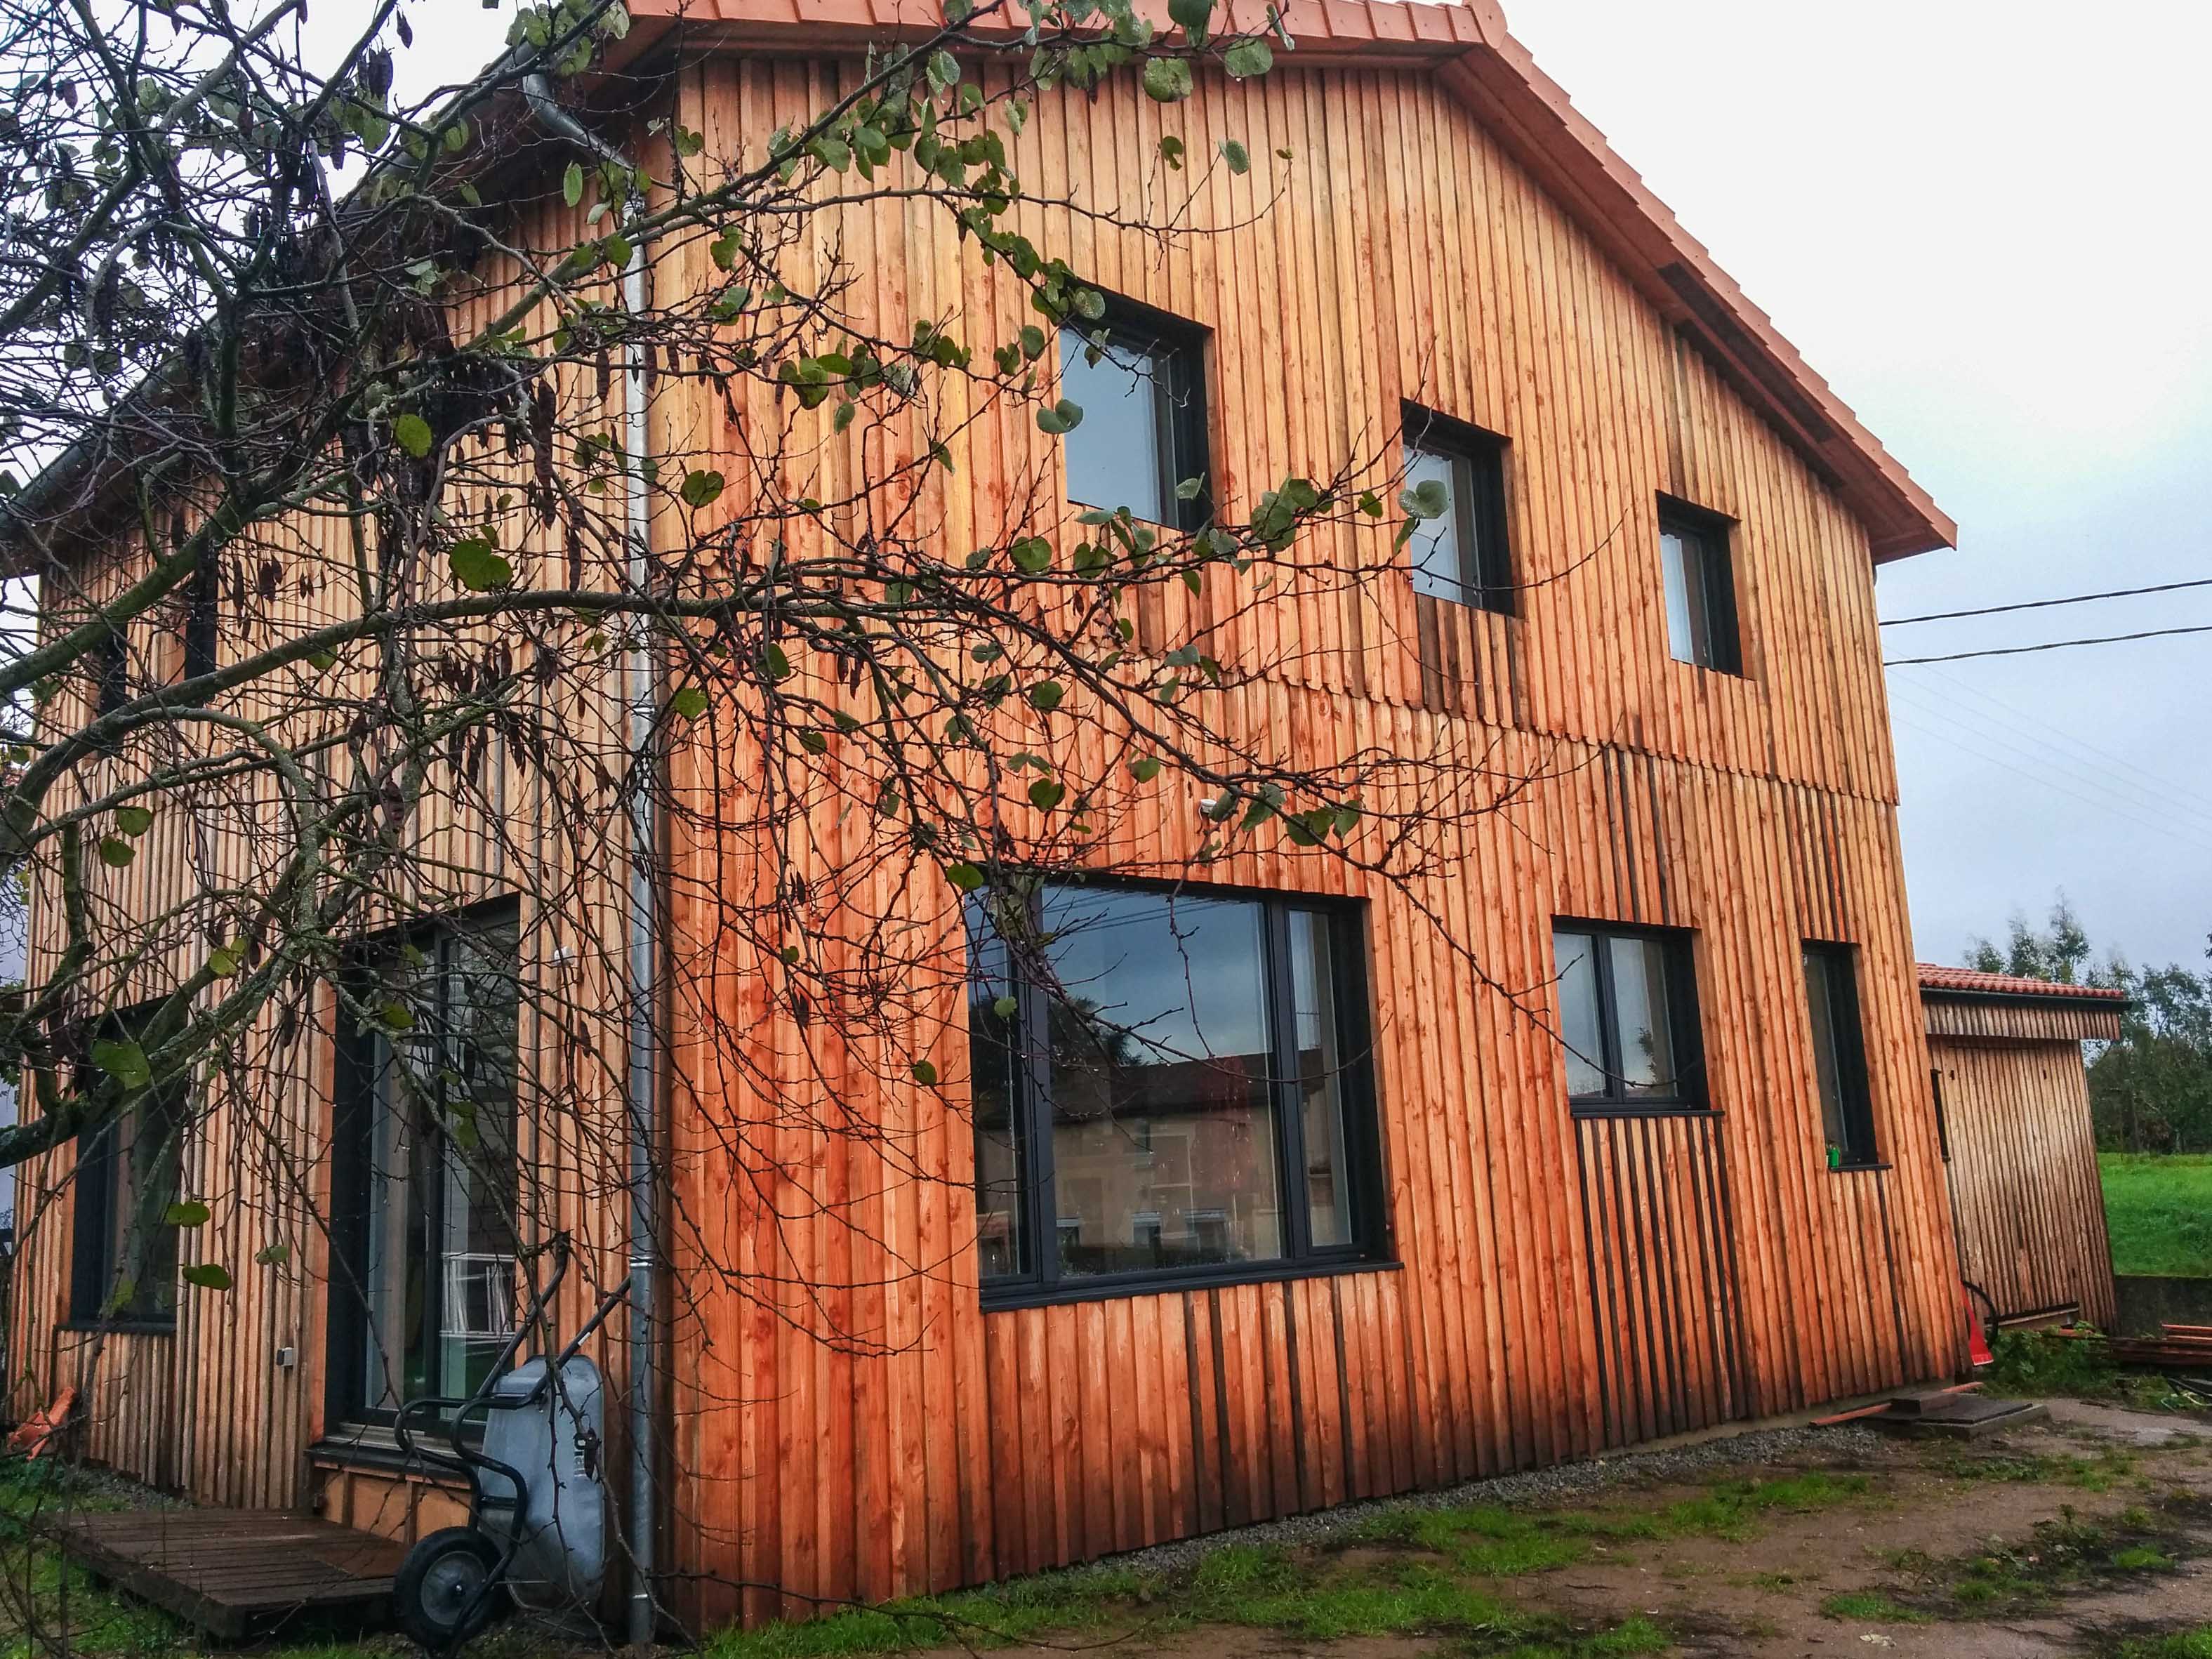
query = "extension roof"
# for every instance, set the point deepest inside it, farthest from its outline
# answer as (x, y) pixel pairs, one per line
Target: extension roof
(1967, 982)
(1472, 56)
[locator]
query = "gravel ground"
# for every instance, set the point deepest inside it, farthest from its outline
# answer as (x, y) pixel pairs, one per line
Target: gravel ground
(1844, 1442)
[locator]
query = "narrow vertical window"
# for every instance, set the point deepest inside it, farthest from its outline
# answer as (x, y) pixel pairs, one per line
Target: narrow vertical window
(1628, 1019)
(1839, 1054)
(426, 1185)
(1700, 588)
(128, 1175)
(1462, 555)
(203, 619)
(1140, 380)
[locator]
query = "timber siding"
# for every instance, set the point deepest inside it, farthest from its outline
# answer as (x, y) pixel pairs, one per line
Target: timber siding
(845, 1420)
(1559, 1286)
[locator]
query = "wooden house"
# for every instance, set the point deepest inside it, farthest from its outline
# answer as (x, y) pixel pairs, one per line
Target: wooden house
(1448, 1247)
(2012, 1100)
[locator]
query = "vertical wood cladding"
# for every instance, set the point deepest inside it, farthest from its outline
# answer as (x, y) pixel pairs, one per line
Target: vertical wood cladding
(848, 1422)
(2030, 1207)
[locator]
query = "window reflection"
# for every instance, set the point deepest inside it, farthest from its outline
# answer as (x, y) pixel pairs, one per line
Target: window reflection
(1163, 1136)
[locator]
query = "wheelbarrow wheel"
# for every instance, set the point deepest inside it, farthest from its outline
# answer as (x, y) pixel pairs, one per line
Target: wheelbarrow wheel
(446, 1592)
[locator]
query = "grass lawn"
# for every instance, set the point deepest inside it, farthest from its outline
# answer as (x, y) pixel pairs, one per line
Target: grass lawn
(2159, 1209)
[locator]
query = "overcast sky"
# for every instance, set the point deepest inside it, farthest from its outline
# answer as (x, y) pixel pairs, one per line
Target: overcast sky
(1986, 225)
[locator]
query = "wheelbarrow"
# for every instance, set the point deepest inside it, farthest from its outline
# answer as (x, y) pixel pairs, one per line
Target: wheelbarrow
(537, 1531)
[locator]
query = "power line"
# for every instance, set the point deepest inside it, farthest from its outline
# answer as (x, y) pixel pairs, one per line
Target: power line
(2111, 785)
(2038, 605)
(2053, 741)
(2048, 645)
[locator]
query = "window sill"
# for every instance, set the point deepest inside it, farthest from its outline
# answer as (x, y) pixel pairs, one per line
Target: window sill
(372, 1447)
(1122, 1288)
(119, 1326)
(1641, 1108)
(1859, 1169)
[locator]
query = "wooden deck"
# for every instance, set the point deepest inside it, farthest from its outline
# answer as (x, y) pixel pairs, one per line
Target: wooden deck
(235, 1572)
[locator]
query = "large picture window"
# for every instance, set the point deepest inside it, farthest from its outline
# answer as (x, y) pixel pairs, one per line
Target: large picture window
(1166, 1085)
(425, 1183)
(128, 1176)
(1628, 1018)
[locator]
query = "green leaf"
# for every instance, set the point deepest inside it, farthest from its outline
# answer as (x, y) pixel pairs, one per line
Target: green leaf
(124, 1061)
(1006, 1007)
(1239, 158)
(322, 661)
(1193, 17)
(115, 852)
(1167, 80)
(701, 488)
(813, 742)
(396, 1016)
(965, 876)
(269, 1255)
(412, 434)
(1428, 499)
(133, 820)
(1032, 342)
(1062, 416)
(1144, 770)
(618, 249)
(1188, 490)
(689, 704)
(1045, 794)
(1171, 150)
(723, 249)
(1046, 695)
(476, 567)
(773, 660)
(208, 1276)
(943, 69)
(572, 184)
(925, 1073)
(225, 960)
(189, 1214)
(1248, 59)
(1032, 555)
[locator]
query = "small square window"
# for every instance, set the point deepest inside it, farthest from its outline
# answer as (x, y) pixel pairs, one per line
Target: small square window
(1839, 1054)
(1701, 624)
(1140, 380)
(1628, 1017)
(1463, 555)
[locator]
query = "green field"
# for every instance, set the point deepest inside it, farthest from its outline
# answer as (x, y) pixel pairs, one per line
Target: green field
(2160, 1212)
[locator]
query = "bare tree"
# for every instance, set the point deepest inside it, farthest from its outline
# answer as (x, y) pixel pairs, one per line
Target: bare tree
(372, 558)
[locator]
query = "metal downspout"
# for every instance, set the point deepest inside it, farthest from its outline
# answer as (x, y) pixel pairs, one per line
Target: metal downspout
(643, 1035)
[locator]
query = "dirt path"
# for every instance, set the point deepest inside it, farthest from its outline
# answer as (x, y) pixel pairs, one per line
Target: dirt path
(2089, 1536)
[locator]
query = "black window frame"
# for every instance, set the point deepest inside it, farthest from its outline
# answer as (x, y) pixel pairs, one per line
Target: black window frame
(1852, 1133)
(111, 672)
(1182, 435)
(1367, 1244)
(354, 1106)
(1714, 535)
(1480, 510)
(203, 619)
(96, 1238)
(1684, 1023)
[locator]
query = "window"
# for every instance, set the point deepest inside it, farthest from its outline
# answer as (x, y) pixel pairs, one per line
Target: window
(1839, 1054)
(202, 617)
(1628, 1015)
(424, 1180)
(1461, 556)
(1694, 547)
(1166, 1084)
(128, 1175)
(1139, 377)
(111, 665)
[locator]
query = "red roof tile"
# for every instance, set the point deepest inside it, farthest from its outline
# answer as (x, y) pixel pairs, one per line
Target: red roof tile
(1935, 977)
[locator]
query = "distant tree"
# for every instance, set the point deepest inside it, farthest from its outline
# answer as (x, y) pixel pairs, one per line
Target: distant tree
(2059, 950)
(2151, 1090)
